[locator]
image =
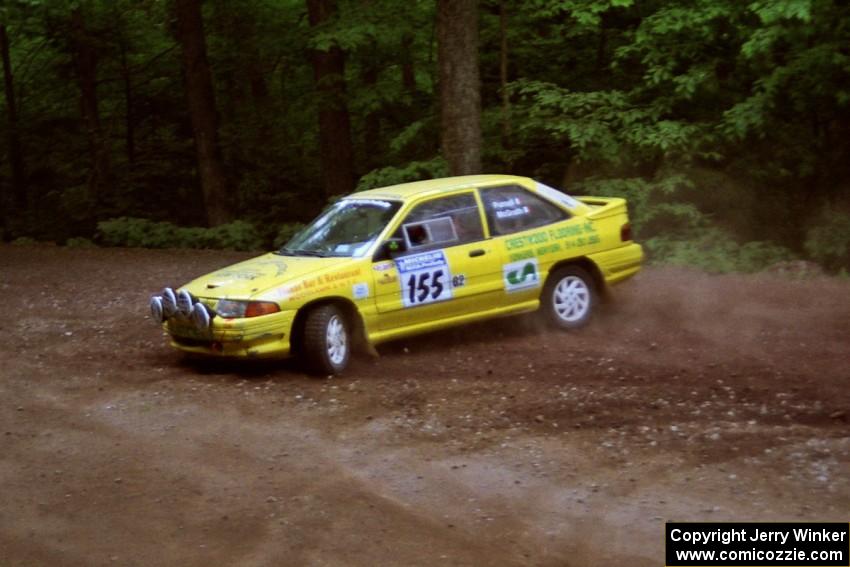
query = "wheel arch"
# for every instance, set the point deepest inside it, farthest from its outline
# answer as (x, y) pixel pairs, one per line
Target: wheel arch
(349, 311)
(590, 267)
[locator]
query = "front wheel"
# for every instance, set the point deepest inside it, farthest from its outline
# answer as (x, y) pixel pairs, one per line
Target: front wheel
(327, 340)
(569, 297)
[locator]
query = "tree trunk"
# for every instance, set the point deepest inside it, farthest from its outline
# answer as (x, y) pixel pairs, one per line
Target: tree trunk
(460, 85)
(85, 55)
(129, 123)
(202, 111)
(372, 120)
(16, 158)
(503, 76)
(334, 123)
(408, 71)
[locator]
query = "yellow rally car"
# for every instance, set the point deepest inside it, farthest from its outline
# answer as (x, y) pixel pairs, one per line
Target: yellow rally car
(407, 259)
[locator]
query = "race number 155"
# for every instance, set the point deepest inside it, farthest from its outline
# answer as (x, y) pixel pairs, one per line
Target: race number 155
(425, 287)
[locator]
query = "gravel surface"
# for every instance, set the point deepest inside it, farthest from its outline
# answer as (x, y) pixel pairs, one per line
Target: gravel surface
(691, 397)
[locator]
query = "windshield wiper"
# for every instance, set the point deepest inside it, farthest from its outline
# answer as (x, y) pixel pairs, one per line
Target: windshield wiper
(290, 252)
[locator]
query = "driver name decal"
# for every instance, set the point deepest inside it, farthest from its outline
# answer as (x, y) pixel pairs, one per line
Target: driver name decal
(425, 278)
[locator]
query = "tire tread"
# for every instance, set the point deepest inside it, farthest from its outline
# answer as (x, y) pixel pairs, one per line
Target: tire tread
(314, 352)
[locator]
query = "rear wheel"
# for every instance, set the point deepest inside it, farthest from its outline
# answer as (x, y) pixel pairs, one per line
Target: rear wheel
(569, 297)
(326, 345)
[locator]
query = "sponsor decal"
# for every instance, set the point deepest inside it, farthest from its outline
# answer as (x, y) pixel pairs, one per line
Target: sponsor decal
(281, 293)
(383, 266)
(524, 274)
(424, 278)
(258, 269)
(422, 261)
(360, 290)
(234, 275)
(523, 255)
(387, 278)
(343, 275)
(279, 266)
(313, 286)
(517, 242)
(572, 235)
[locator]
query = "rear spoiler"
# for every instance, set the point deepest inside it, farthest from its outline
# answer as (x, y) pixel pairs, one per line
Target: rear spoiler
(604, 207)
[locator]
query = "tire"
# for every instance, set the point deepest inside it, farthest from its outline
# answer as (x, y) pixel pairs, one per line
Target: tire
(569, 297)
(326, 346)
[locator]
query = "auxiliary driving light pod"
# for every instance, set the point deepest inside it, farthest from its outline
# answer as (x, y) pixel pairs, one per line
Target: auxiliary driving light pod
(184, 303)
(156, 310)
(169, 303)
(200, 317)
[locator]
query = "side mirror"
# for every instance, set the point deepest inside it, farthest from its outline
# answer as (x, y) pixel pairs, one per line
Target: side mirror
(391, 248)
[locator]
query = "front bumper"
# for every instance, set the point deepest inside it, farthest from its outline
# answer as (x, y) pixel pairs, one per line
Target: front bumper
(267, 336)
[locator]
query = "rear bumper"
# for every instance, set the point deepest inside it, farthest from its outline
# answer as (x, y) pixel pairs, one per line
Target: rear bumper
(620, 263)
(267, 336)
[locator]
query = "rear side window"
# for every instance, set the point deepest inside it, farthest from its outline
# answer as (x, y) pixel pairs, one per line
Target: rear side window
(512, 209)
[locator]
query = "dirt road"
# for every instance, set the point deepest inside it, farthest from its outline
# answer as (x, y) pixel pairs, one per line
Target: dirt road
(691, 397)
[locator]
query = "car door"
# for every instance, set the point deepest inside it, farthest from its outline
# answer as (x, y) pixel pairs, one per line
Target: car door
(448, 268)
(527, 230)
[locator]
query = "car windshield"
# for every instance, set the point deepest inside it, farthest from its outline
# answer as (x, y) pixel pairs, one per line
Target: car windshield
(347, 228)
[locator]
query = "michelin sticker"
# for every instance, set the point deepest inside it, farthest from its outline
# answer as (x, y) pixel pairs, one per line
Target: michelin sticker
(360, 290)
(557, 196)
(425, 278)
(524, 274)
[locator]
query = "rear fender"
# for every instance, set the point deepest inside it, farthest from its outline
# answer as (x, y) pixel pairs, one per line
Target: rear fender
(591, 268)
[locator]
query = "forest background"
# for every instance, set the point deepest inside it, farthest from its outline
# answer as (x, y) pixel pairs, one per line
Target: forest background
(227, 123)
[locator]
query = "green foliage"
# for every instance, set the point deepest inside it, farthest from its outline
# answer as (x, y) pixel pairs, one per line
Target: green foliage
(828, 240)
(138, 233)
(655, 205)
(602, 125)
(80, 242)
(286, 232)
(617, 97)
(143, 233)
(583, 13)
(676, 219)
(676, 231)
(715, 250)
(774, 11)
(237, 235)
(413, 171)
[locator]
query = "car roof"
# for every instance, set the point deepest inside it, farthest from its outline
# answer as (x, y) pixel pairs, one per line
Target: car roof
(415, 189)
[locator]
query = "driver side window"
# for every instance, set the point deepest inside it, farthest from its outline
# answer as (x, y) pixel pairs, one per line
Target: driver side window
(442, 222)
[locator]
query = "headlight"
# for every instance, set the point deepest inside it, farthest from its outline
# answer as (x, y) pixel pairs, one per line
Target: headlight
(234, 309)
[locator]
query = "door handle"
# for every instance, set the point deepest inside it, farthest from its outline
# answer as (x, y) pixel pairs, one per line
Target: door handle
(475, 253)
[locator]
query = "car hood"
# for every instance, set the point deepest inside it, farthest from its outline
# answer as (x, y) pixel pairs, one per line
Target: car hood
(248, 278)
